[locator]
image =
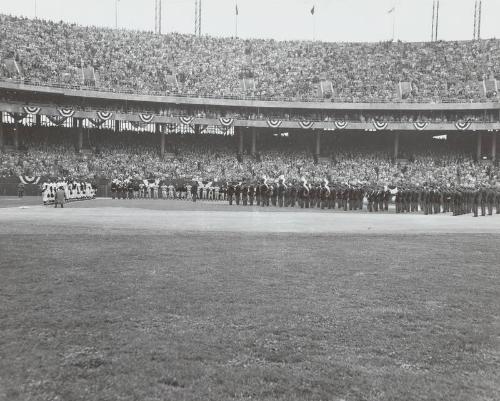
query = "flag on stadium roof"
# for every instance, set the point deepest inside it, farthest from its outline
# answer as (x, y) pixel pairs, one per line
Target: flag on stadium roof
(391, 10)
(237, 13)
(312, 10)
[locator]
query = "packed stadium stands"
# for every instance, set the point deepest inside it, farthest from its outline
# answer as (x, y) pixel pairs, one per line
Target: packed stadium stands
(50, 53)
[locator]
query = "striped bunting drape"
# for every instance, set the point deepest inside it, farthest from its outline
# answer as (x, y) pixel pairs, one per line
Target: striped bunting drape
(186, 120)
(146, 118)
(226, 122)
(340, 124)
(379, 125)
(463, 126)
(64, 112)
(31, 109)
(274, 123)
(420, 126)
(306, 124)
(104, 115)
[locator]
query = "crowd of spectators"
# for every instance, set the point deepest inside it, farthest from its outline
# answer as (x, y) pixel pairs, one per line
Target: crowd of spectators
(214, 158)
(142, 62)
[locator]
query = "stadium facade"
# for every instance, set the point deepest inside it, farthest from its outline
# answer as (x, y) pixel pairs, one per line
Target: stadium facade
(77, 109)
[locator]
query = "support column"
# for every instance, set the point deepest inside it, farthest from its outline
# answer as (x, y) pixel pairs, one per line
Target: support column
(318, 144)
(1, 130)
(494, 146)
(162, 139)
(240, 144)
(479, 145)
(396, 145)
(16, 136)
(254, 141)
(80, 136)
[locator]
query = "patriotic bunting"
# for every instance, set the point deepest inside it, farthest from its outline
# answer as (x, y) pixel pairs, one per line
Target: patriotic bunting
(171, 128)
(57, 120)
(340, 124)
(420, 126)
(306, 124)
(226, 122)
(186, 120)
(31, 109)
(66, 112)
(462, 126)
(146, 118)
(380, 126)
(17, 117)
(96, 123)
(26, 180)
(104, 115)
(274, 123)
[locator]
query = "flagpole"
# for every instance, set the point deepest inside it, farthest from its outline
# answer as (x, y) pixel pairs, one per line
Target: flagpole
(314, 27)
(314, 21)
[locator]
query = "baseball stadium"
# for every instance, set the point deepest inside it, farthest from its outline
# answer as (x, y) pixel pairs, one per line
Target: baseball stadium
(205, 216)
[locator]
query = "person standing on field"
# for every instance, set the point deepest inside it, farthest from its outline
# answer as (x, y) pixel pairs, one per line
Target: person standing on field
(60, 197)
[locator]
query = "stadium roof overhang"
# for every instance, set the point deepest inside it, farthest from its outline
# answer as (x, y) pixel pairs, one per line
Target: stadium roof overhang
(71, 95)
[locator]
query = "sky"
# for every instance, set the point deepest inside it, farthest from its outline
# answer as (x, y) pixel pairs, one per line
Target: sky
(333, 20)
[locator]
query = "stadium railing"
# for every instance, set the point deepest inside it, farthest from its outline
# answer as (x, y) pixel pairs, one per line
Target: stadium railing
(306, 99)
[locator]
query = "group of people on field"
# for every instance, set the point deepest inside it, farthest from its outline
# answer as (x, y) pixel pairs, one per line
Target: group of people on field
(61, 191)
(427, 199)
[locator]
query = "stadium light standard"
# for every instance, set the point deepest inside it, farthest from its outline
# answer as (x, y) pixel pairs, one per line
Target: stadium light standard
(116, 13)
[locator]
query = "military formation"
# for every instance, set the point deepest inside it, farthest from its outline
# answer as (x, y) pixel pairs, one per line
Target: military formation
(427, 199)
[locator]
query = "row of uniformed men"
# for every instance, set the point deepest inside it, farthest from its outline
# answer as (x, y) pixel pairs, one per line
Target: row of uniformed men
(454, 199)
(143, 189)
(427, 199)
(73, 191)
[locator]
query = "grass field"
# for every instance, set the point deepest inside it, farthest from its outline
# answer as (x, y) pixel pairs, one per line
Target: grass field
(148, 301)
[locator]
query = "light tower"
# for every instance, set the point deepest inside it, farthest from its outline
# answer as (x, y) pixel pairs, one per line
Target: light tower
(197, 17)
(158, 16)
(477, 19)
(435, 20)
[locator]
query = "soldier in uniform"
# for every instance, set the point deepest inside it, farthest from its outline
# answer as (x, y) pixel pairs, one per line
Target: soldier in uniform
(244, 193)
(273, 193)
(130, 188)
(281, 190)
(325, 194)
(497, 199)
(230, 192)
(333, 196)
(237, 193)
(304, 194)
(490, 200)
(194, 190)
(476, 201)
(387, 198)
(292, 201)
(264, 193)
(251, 193)
(484, 196)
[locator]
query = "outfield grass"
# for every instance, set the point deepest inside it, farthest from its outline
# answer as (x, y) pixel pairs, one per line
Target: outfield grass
(233, 316)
